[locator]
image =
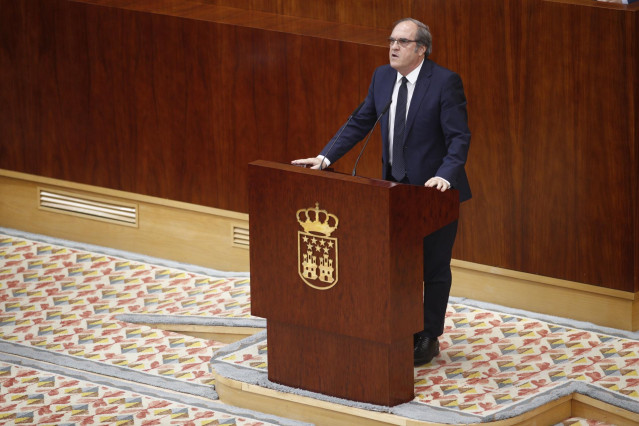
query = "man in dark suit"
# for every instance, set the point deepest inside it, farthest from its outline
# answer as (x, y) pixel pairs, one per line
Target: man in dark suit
(425, 142)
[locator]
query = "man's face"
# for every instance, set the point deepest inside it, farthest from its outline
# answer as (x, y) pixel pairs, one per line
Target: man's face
(405, 59)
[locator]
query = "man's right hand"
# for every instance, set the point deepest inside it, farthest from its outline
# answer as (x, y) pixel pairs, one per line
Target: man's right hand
(313, 163)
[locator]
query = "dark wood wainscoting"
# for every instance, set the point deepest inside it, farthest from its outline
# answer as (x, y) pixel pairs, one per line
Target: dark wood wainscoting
(174, 98)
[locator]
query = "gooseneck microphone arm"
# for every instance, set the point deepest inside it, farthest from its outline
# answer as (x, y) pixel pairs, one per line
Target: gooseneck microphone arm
(321, 167)
(369, 136)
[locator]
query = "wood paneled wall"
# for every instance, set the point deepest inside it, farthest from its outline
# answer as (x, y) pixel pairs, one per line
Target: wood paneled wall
(172, 99)
(165, 106)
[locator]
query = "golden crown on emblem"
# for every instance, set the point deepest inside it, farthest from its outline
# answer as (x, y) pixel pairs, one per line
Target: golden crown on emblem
(317, 221)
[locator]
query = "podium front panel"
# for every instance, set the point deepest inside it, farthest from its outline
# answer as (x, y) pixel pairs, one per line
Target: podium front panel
(336, 269)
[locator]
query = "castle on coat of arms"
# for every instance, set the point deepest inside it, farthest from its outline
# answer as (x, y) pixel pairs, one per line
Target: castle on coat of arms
(317, 250)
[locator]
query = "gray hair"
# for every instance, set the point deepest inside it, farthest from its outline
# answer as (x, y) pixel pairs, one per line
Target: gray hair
(423, 36)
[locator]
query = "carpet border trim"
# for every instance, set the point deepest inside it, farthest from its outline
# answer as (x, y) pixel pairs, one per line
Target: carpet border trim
(149, 391)
(191, 320)
(114, 371)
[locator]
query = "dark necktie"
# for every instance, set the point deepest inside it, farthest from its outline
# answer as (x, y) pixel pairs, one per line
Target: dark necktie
(399, 166)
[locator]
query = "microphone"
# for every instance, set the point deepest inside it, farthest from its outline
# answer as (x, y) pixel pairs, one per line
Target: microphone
(321, 167)
(369, 135)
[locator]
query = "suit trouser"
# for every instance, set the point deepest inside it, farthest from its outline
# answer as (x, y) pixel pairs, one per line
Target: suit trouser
(438, 251)
(437, 254)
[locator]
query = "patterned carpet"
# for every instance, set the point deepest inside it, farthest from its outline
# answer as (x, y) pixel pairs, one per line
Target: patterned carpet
(68, 357)
(492, 366)
(61, 305)
(33, 396)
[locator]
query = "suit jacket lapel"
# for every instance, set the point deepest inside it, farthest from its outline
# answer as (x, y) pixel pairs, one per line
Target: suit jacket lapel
(421, 87)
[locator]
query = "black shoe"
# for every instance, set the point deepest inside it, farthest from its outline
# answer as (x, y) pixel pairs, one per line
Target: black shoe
(425, 349)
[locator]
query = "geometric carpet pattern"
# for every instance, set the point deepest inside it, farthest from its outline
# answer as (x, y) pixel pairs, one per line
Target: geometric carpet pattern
(31, 396)
(66, 302)
(491, 362)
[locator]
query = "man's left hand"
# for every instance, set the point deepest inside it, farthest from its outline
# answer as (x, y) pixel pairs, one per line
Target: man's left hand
(437, 182)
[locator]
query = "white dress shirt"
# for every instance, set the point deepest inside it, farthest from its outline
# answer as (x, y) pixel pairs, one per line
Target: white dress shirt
(410, 86)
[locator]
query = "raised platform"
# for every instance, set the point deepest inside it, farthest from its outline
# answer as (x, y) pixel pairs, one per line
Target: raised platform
(494, 368)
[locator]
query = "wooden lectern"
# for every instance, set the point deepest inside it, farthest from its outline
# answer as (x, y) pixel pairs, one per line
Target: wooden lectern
(336, 269)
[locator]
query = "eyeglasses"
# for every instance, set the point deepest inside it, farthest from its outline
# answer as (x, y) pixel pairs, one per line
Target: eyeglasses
(402, 41)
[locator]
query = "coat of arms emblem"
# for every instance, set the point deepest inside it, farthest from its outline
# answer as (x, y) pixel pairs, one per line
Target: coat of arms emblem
(317, 250)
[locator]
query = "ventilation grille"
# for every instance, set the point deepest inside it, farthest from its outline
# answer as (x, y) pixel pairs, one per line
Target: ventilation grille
(240, 236)
(88, 207)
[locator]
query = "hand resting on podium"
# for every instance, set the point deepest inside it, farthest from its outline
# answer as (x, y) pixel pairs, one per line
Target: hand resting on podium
(313, 162)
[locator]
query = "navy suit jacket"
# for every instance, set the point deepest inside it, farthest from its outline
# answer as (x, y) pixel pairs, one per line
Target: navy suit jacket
(437, 137)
